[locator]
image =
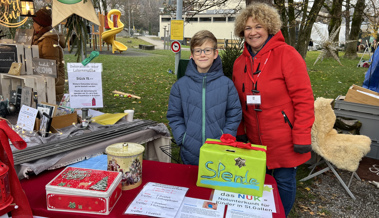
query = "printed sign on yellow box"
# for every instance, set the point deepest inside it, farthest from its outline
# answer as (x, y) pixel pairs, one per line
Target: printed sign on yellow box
(234, 169)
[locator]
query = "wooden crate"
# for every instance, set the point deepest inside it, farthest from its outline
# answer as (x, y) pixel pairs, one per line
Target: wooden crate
(44, 86)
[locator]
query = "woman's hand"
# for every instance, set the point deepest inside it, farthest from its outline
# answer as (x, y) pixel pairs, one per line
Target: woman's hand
(302, 148)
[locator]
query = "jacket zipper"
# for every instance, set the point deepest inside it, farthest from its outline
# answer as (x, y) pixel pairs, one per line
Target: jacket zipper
(286, 120)
(203, 110)
(184, 138)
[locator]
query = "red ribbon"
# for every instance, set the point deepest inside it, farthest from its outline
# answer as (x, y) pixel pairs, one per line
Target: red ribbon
(227, 139)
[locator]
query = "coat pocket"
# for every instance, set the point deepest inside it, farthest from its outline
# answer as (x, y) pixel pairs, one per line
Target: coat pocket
(286, 120)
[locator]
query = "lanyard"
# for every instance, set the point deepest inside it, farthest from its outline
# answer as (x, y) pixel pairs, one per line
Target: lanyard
(264, 65)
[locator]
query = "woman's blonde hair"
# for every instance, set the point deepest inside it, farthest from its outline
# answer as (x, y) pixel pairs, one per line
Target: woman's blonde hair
(263, 13)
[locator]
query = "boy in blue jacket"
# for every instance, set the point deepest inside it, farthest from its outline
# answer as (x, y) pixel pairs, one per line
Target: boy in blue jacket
(204, 103)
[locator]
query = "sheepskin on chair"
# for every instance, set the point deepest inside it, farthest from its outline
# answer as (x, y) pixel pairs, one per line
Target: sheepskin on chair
(342, 150)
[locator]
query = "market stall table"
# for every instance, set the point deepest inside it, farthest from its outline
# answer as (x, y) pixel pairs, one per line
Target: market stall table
(153, 136)
(159, 172)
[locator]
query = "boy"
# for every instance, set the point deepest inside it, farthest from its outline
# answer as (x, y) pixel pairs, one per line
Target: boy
(204, 103)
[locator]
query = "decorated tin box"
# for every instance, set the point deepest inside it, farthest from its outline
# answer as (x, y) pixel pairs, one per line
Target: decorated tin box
(82, 190)
(224, 166)
(126, 158)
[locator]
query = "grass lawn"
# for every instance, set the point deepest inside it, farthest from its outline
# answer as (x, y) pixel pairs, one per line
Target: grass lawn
(148, 77)
(132, 42)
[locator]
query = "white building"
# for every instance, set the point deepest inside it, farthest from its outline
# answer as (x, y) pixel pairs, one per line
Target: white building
(218, 20)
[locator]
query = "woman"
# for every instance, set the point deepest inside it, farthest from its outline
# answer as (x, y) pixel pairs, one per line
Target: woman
(276, 96)
(50, 46)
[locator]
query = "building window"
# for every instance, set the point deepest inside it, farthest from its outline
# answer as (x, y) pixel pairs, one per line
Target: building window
(166, 19)
(219, 19)
(191, 19)
(205, 19)
(231, 19)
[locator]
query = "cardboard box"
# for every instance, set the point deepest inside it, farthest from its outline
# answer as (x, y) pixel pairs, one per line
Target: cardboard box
(361, 95)
(232, 169)
(60, 122)
(84, 191)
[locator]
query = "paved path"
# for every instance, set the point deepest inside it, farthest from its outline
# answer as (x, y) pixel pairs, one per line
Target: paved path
(157, 42)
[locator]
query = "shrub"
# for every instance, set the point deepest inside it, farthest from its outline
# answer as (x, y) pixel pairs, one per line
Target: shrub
(229, 54)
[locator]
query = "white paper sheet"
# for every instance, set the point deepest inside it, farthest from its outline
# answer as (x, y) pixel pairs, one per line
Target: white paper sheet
(85, 85)
(251, 206)
(198, 208)
(158, 200)
(27, 118)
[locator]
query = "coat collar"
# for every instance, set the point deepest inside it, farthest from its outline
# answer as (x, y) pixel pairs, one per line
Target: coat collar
(214, 72)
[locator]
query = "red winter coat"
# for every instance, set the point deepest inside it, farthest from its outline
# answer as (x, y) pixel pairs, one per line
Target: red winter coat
(285, 90)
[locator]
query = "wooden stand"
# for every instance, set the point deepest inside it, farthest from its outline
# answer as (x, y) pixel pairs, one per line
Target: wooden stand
(44, 86)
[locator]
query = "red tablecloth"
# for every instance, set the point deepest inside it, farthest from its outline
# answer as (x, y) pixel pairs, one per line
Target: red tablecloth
(152, 171)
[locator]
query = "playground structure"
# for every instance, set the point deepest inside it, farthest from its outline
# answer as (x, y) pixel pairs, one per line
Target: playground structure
(109, 35)
(96, 40)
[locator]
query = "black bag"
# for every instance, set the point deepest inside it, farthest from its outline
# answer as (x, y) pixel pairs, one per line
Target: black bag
(347, 125)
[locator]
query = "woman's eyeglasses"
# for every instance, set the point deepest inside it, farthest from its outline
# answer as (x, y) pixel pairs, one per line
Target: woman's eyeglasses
(198, 51)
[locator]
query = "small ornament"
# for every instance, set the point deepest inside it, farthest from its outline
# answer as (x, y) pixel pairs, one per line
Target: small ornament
(240, 162)
(329, 45)
(84, 184)
(267, 189)
(101, 185)
(72, 205)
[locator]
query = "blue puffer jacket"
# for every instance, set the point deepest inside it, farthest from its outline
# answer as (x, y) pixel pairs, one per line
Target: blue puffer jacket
(201, 106)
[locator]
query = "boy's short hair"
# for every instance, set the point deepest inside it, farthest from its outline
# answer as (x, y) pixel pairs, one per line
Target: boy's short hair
(201, 37)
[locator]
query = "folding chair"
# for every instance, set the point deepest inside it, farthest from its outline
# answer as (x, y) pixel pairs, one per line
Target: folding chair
(343, 151)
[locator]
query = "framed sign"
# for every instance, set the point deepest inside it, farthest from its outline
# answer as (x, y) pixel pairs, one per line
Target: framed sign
(26, 118)
(44, 127)
(26, 96)
(49, 109)
(44, 67)
(8, 55)
(85, 85)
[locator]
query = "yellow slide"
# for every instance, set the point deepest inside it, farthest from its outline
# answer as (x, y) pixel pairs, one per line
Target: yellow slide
(108, 36)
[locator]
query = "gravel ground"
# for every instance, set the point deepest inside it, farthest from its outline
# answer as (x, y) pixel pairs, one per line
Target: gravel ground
(325, 197)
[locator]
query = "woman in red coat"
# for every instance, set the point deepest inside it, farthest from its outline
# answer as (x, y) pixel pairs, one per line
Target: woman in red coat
(276, 96)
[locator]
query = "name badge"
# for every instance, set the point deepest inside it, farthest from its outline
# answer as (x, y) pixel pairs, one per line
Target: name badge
(253, 99)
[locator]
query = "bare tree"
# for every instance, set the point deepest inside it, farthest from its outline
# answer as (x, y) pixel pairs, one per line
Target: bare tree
(347, 19)
(291, 11)
(263, 1)
(335, 15)
(351, 48)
